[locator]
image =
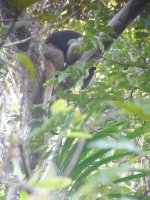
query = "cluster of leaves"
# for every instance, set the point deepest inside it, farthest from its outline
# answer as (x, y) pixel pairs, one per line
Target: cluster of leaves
(109, 165)
(112, 162)
(102, 151)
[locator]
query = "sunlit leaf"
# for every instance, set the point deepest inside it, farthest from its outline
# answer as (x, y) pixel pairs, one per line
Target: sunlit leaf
(26, 61)
(53, 183)
(142, 110)
(77, 135)
(17, 169)
(60, 106)
(45, 17)
(23, 195)
(49, 83)
(115, 144)
(132, 177)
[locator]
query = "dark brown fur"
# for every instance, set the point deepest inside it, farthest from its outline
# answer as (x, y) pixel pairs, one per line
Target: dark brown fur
(61, 54)
(60, 39)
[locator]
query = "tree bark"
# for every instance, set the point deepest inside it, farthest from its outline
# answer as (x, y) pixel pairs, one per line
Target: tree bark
(119, 23)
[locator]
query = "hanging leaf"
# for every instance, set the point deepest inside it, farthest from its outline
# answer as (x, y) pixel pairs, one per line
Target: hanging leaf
(26, 61)
(45, 17)
(77, 135)
(53, 183)
(140, 109)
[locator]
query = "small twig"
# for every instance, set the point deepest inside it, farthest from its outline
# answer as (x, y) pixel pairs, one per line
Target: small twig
(61, 7)
(9, 29)
(147, 158)
(18, 42)
(16, 20)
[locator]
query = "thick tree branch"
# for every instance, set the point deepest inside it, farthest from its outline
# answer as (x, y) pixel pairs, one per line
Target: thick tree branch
(118, 24)
(126, 15)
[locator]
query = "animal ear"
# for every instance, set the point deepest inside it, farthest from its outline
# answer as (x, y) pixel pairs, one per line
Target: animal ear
(73, 53)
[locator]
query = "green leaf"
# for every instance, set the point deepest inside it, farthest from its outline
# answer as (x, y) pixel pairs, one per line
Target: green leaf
(53, 183)
(86, 162)
(49, 83)
(95, 165)
(132, 177)
(106, 132)
(63, 152)
(77, 135)
(115, 144)
(24, 195)
(135, 109)
(26, 61)
(62, 76)
(60, 106)
(137, 132)
(68, 155)
(141, 35)
(45, 17)
(17, 169)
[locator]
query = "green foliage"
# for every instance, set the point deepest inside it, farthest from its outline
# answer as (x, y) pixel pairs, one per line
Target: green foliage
(53, 183)
(27, 63)
(90, 148)
(109, 166)
(140, 109)
(45, 17)
(21, 5)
